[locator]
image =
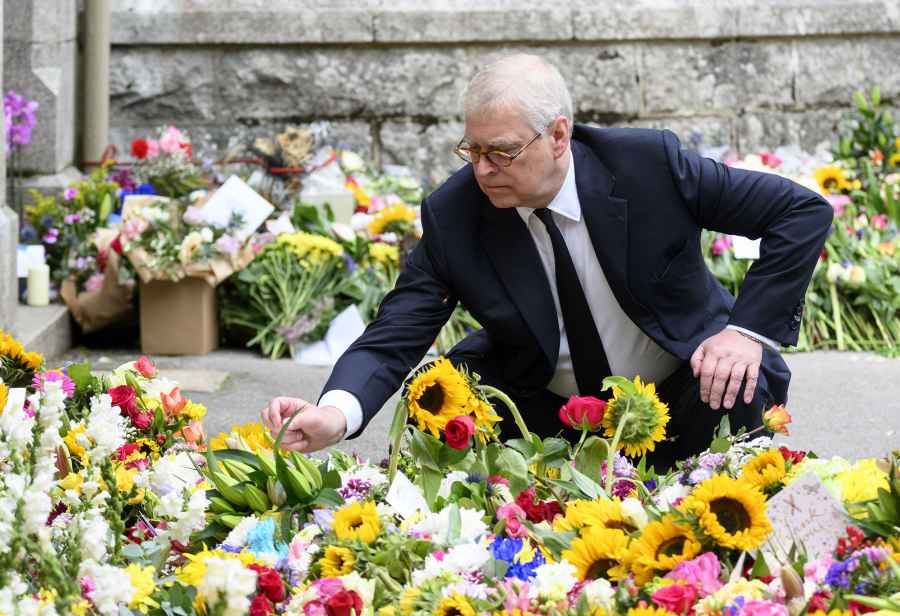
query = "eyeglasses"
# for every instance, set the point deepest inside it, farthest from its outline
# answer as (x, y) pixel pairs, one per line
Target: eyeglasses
(495, 157)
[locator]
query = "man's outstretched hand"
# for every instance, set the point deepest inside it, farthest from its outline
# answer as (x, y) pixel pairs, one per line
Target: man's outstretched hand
(722, 362)
(314, 427)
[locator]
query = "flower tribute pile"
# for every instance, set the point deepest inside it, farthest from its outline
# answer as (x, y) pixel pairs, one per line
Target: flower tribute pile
(113, 501)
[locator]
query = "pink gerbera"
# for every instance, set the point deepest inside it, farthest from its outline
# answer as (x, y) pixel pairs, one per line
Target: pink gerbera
(68, 386)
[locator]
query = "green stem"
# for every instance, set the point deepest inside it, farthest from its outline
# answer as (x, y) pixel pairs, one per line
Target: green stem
(489, 391)
(610, 455)
(836, 311)
(578, 447)
(390, 583)
(397, 429)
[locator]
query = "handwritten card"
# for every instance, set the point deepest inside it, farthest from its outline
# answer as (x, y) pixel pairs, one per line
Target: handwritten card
(405, 497)
(803, 514)
(745, 248)
(236, 197)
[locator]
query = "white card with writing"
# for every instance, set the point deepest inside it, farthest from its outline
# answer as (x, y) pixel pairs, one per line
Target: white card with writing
(405, 497)
(745, 248)
(804, 513)
(236, 197)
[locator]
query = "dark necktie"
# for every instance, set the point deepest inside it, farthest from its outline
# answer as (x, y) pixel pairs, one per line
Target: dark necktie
(588, 357)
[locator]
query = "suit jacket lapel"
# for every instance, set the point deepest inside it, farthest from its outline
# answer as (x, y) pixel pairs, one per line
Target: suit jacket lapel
(512, 251)
(606, 218)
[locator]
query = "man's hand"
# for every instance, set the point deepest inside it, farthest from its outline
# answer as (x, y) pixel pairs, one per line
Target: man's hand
(314, 427)
(723, 361)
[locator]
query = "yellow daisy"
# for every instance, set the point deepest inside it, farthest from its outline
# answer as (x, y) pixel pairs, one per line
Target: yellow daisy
(455, 605)
(647, 416)
(337, 561)
(662, 545)
(831, 179)
(766, 472)
(393, 218)
(599, 553)
(357, 521)
(437, 395)
(730, 512)
(601, 512)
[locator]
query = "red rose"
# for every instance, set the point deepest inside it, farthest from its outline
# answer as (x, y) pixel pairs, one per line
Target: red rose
(583, 412)
(188, 150)
(794, 457)
(116, 245)
(271, 585)
(459, 431)
(139, 148)
(537, 512)
(677, 598)
(125, 451)
(342, 602)
(141, 420)
(123, 397)
(260, 606)
(145, 367)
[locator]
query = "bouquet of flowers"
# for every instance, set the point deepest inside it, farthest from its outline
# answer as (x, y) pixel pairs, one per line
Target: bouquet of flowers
(166, 163)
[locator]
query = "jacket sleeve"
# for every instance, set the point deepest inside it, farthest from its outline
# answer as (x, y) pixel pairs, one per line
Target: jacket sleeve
(792, 221)
(408, 321)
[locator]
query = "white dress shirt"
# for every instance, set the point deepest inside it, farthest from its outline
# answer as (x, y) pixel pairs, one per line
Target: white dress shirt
(629, 351)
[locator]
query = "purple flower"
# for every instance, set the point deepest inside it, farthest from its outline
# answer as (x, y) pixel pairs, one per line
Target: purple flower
(70, 193)
(721, 245)
(356, 489)
(324, 518)
(123, 178)
(71, 219)
(19, 119)
(51, 236)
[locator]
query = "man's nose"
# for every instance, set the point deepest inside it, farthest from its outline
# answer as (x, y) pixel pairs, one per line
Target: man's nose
(484, 166)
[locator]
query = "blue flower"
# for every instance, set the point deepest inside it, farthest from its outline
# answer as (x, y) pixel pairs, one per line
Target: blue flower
(261, 539)
(505, 549)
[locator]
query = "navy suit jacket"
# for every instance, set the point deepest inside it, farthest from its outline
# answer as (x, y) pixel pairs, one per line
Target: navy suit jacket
(645, 200)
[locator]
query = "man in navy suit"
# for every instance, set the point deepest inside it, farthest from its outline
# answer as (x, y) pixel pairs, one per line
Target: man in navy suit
(578, 250)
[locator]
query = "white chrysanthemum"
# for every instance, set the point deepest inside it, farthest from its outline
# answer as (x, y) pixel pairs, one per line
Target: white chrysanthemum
(600, 594)
(229, 582)
(237, 538)
(112, 587)
(468, 557)
(373, 474)
(437, 526)
(106, 427)
(553, 581)
(361, 586)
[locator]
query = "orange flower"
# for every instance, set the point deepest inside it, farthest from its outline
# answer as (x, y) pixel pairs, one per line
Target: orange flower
(777, 419)
(193, 432)
(173, 403)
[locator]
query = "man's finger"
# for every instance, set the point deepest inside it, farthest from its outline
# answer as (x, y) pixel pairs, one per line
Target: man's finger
(697, 360)
(734, 384)
(750, 387)
(707, 372)
(723, 371)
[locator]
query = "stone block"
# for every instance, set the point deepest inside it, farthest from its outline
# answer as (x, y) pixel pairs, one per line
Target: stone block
(695, 132)
(45, 72)
(425, 149)
(794, 18)
(51, 184)
(811, 130)
(603, 79)
(724, 77)
(165, 85)
(829, 70)
(9, 283)
(477, 23)
(40, 21)
(46, 329)
(653, 19)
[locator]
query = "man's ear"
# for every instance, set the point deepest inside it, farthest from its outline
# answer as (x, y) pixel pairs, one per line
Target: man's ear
(560, 134)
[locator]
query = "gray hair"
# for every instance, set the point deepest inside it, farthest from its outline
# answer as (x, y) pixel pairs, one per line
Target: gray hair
(525, 82)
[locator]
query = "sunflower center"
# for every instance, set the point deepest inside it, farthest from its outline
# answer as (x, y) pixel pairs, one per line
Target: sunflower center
(356, 523)
(599, 568)
(670, 547)
(731, 514)
(432, 398)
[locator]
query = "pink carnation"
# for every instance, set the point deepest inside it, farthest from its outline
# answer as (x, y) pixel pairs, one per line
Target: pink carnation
(703, 572)
(761, 607)
(68, 386)
(171, 141)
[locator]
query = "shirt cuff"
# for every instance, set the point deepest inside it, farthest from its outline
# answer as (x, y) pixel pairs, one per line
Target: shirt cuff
(766, 341)
(346, 403)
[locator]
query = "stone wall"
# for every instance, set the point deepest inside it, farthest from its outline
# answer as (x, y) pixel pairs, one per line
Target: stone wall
(387, 74)
(9, 235)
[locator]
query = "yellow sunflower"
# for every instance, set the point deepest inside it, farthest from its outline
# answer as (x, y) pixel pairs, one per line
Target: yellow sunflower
(647, 417)
(766, 472)
(437, 395)
(730, 512)
(4, 395)
(357, 521)
(649, 611)
(337, 561)
(599, 553)
(455, 605)
(831, 179)
(602, 512)
(662, 545)
(392, 218)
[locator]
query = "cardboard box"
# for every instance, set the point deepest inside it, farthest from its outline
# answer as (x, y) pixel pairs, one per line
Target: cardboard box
(178, 318)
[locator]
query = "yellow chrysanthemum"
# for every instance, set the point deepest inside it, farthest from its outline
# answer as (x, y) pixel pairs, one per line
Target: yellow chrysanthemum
(730, 512)
(600, 512)
(861, 483)
(649, 611)
(831, 179)
(357, 521)
(662, 545)
(4, 395)
(436, 396)
(599, 553)
(766, 472)
(337, 561)
(75, 448)
(408, 600)
(387, 255)
(14, 352)
(310, 246)
(194, 411)
(142, 578)
(392, 218)
(250, 436)
(192, 574)
(647, 417)
(455, 605)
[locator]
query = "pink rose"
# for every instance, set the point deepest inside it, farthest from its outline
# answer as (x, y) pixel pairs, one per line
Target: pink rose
(171, 141)
(677, 598)
(513, 514)
(583, 412)
(152, 148)
(145, 367)
(703, 572)
(761, 607)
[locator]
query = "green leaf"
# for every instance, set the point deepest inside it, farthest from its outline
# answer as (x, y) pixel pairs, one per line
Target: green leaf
(105, 209)
(720, 445)
(425, 448)
(590, 459)
(328, 497)
(860, 100)
(587, 485)
(512, 465)
(454, 525)
(524, 447)
(876, 96)
(618, 381)
(398, 423)
(80, 375)
(450, 456)
(555, 542)
(724, 429)
(554, 449)
(430, 481)
(760, 569)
